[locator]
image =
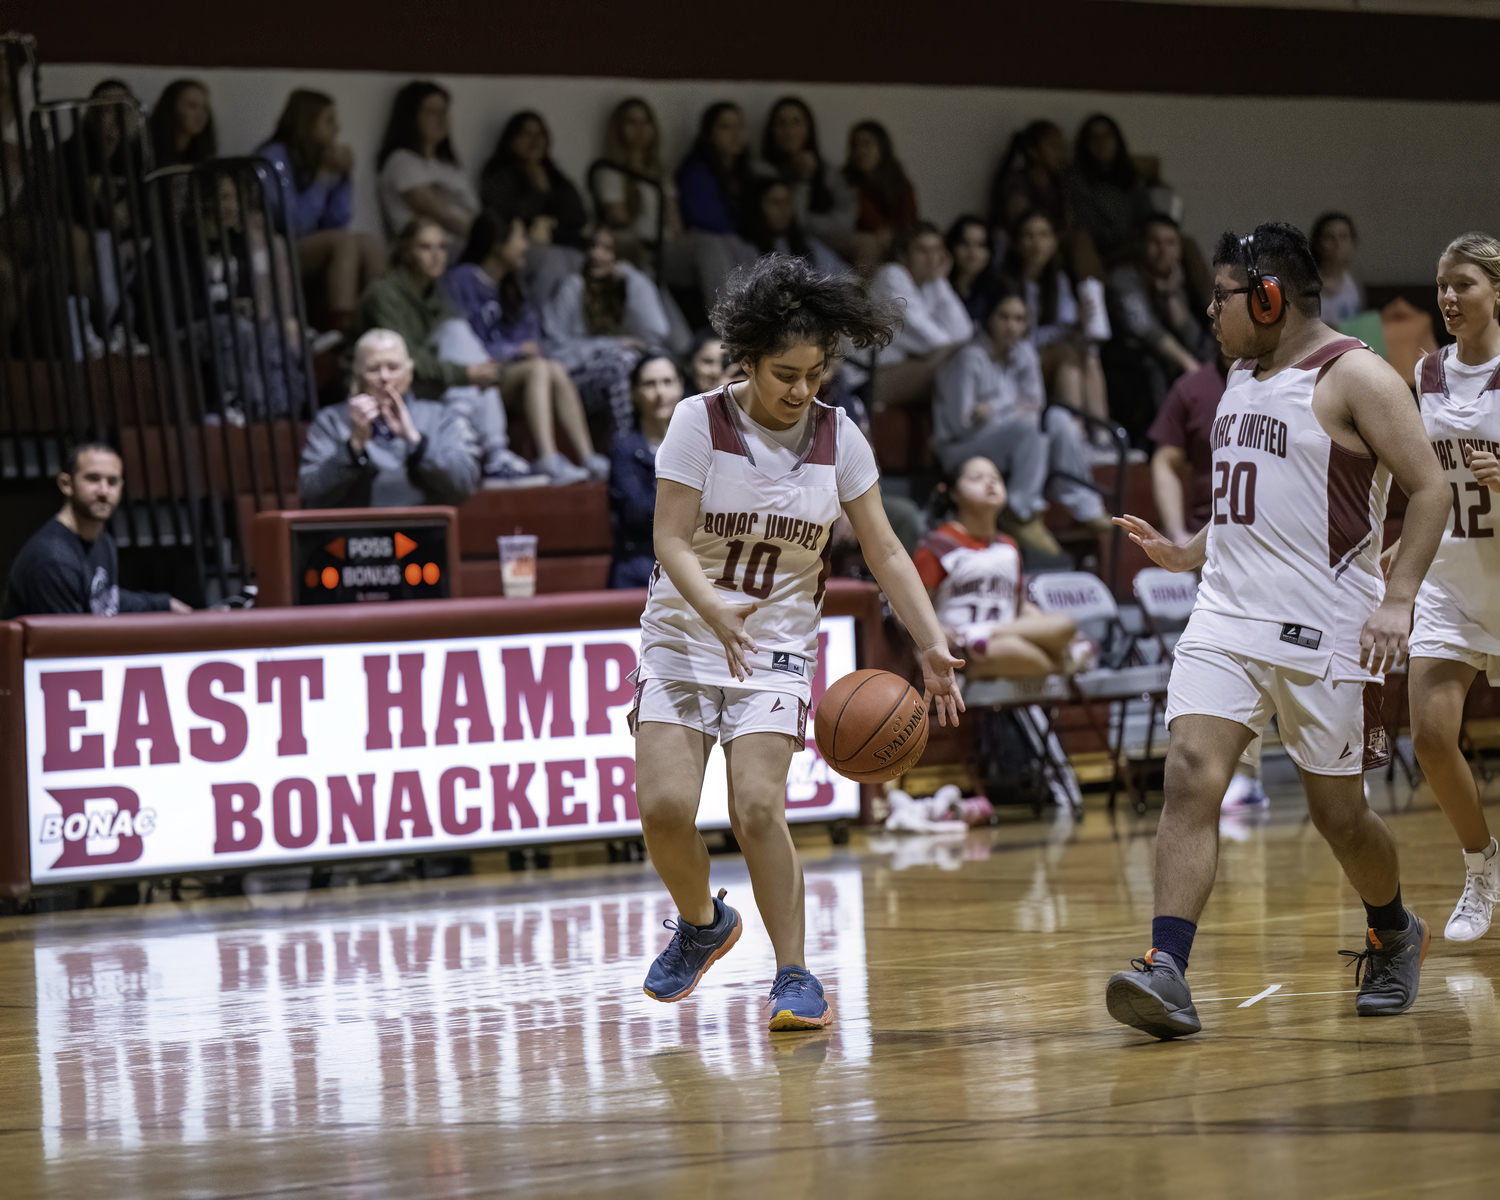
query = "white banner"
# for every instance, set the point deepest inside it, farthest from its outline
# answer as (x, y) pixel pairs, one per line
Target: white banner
(160, 764)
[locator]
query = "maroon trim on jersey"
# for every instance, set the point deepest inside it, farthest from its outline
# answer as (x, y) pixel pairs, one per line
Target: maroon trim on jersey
(1350, 477)
(1494, 381)
(721, 427)
(1324, 355)
(825, 439)
(1433, 378)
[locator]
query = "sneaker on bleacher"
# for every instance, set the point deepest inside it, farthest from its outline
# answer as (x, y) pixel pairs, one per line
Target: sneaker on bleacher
(560, 469)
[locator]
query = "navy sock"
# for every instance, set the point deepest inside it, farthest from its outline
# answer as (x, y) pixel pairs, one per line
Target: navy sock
(1390, 917)
(1174, 936)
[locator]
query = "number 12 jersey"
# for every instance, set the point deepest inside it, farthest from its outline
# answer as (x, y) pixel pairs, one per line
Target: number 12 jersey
(1293, 568)
(770, 498)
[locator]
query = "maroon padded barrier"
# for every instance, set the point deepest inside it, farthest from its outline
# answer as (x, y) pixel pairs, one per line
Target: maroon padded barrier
(167, 633)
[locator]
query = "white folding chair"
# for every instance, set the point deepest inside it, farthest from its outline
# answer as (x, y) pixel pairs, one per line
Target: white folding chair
(1123, 675)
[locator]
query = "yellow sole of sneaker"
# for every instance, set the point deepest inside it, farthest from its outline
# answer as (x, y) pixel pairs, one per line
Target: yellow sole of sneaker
(786, 1020)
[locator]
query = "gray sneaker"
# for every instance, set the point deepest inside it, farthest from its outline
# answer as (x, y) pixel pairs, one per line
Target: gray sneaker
(1391, 966)
(1153, 998)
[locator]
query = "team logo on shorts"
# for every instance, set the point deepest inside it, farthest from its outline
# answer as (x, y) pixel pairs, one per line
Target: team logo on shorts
(782, 661)
(1302, 635)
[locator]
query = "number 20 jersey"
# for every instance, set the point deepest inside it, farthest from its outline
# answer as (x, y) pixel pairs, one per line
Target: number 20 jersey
(1458, 603)
(1293, 568)
(762, 536)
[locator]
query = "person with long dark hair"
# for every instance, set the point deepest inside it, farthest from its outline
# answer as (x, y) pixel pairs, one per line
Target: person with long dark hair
(419, 172)
(933, 321)
(772, 227)
(1334, 243)
(521, 179)
(655, 392)
(973, 275)
(1030, 177)
(1105, 192)
(182, 125)
(713, 185)
(750, 480)
(306, 148)
(884, 197)
(487, 287)
(824, 204)
(1069, 360)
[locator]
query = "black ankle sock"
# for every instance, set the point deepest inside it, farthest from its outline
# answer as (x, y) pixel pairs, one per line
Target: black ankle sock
(1390, 917)
(1174, 936)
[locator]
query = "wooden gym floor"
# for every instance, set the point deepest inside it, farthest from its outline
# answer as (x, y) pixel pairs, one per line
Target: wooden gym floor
(487, 1036)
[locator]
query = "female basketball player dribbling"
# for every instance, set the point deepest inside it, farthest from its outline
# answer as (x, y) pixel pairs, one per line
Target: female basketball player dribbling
(750, 479)
(1456, 625)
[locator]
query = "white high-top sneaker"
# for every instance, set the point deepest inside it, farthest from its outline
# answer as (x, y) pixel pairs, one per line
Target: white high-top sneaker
(1471, 919)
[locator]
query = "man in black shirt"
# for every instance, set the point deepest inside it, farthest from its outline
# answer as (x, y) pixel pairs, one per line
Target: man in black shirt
(71, 565)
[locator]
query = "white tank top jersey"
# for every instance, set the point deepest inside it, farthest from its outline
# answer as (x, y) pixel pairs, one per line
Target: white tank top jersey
(1293, 568)
(769, 500)
(980, 585)
(1461, 405)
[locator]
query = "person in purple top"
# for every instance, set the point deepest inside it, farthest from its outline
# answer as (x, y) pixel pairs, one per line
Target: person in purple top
(485, 288)
(317, 166)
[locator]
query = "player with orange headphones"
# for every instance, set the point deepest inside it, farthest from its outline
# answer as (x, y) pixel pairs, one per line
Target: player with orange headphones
(1293, 616)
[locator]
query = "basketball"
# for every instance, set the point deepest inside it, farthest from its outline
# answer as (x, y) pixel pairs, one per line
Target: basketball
(871, 726)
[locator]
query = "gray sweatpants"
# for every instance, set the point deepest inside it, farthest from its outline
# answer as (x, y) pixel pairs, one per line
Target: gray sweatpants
(1026, 454)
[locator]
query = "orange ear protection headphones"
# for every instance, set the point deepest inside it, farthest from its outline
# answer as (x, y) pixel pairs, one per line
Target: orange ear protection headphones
(1264, 295)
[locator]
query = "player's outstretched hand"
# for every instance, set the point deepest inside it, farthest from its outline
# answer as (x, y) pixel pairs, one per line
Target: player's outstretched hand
(1382, 642)
(728, 625)
(1161, 549)
(940, 684)
(1486, 467)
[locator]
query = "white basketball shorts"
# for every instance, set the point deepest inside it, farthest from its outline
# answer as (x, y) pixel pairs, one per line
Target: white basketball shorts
(723, 713)
(1328, 728)
(1441, 631)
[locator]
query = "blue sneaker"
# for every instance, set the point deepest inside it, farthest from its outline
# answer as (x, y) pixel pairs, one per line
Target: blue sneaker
(797, 1001)
(694, 949)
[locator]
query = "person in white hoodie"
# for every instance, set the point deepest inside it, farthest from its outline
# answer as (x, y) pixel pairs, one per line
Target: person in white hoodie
(934, 323)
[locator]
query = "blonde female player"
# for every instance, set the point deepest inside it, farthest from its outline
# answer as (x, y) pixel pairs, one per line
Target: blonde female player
(1456, 627)
(750, 478)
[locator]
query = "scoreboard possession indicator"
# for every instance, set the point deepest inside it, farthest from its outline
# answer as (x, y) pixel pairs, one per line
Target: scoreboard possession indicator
(348, 563)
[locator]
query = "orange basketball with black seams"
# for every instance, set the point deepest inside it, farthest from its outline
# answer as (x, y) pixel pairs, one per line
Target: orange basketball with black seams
(871, 726)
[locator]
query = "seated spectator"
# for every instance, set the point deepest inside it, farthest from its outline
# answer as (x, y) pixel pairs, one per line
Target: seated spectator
(419, 174)
(1070, 361)
(182, 125)
(934, 322)
(1334, 244)
(1182, 468)
(1030, 178)
(383, 447)
(973, 274)
(973, 575)
(448, 361)
(885, 201)
(1161, 328)
(822, 201)
(640, 216)
(772, 227)
(707, 368)
(713, 184)
(1105, 193)
(988, 399)
(655, 389)
(486, 287)
(521, 179)
(599, 323)
(99, 159)
(307, 149)
(71, 564)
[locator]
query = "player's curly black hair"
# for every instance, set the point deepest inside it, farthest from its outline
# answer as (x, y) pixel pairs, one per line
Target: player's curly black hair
(780, 300)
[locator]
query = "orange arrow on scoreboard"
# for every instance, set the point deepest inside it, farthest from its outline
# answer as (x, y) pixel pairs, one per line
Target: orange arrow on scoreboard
(404, 545)
(336, 547)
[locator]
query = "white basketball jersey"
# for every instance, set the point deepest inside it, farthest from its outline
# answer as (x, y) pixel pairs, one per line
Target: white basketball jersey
(1461, 406)
(1293, 567)
(762, 536)
(981, 585)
